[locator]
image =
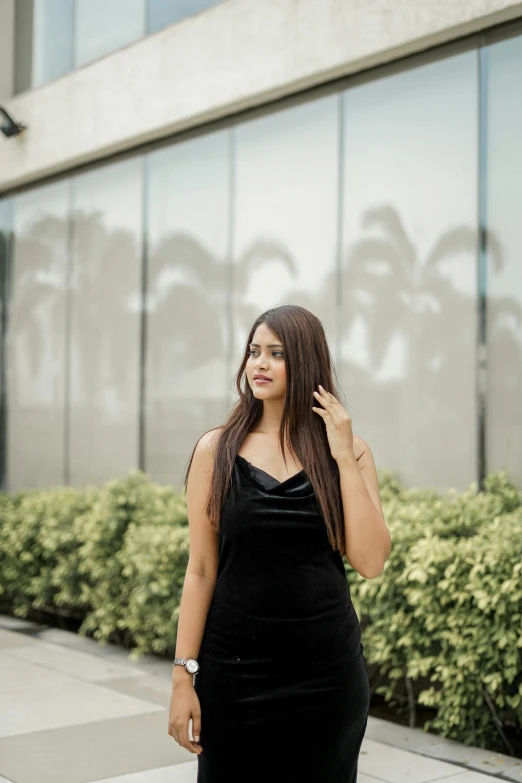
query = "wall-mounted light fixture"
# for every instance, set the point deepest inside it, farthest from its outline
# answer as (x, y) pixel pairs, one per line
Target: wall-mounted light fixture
(8, 126)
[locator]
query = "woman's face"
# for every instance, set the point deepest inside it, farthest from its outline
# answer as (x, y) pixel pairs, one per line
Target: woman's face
(267, 359)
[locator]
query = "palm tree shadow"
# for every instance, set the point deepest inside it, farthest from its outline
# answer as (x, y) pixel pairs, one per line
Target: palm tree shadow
(417, 320)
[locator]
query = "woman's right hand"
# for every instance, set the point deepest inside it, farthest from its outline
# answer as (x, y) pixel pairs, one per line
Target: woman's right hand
(184, 704)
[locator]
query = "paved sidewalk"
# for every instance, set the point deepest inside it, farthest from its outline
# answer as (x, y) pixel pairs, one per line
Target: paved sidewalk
(72, 711)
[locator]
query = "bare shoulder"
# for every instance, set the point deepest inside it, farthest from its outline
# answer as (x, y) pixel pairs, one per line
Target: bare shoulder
(202, 462)
(206, 445)
(203, 555)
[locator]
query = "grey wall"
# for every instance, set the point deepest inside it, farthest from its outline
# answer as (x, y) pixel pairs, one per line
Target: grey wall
(234, 55)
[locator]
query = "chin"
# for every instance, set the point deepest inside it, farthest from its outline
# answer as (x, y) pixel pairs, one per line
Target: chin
(260, 391)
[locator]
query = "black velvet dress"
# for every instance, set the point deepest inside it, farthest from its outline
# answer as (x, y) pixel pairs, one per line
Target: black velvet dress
(283, 683)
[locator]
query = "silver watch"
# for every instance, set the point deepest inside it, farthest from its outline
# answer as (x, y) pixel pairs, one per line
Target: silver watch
(190, 664)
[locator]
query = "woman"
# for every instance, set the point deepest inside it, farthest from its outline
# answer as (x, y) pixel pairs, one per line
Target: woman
(276, 496)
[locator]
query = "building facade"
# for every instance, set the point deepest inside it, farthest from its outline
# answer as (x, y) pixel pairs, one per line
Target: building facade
(186, 165)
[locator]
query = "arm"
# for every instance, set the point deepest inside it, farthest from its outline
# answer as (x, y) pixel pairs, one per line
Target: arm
(368, 541)
(200, 576)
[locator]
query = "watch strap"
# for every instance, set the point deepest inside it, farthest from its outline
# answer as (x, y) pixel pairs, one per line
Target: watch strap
(183, 662)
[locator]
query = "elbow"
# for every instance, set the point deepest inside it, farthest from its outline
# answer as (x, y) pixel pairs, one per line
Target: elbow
(371, 573)
(371, 569)
(374, 569)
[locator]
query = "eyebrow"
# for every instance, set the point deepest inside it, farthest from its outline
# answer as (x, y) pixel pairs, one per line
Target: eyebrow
(272, 345)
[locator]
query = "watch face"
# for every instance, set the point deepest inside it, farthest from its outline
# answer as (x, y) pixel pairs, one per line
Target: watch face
(192, 666)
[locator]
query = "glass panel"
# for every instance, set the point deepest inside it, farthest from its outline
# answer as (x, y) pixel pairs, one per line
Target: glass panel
(5, 244)
(23, 45)
(164, 12)
(409, 270)
(105, 328)
(53, 39)
(186, 377)
(504, 269)
(103, 27)
(35, 348)
(286, 215)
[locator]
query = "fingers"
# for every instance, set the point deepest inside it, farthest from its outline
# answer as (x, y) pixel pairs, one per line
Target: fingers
(322, 413)
(173, 732)
(331, 405)
(181, 735)
(329, 402)
(196, 726)
(325, 397)
(184, 740)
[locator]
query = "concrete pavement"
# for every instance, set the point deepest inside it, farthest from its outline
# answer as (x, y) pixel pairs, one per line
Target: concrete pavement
(72, 711)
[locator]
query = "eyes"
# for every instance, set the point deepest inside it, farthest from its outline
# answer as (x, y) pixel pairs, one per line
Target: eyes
(278, 354)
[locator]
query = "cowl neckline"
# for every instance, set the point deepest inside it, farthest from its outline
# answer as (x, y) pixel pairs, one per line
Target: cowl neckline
(264, 477)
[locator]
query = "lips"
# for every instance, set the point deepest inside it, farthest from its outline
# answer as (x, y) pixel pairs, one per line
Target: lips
(261, 378)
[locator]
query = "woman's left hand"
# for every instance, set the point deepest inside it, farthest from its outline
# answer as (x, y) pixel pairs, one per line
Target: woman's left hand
(338, 425)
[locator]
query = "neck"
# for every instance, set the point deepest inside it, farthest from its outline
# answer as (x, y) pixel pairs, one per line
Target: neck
(270, 421)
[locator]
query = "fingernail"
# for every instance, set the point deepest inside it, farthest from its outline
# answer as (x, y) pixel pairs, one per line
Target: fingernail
(196, 737)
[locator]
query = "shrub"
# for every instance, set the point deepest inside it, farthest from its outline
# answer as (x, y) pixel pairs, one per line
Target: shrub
(448, 608)
(442, 623)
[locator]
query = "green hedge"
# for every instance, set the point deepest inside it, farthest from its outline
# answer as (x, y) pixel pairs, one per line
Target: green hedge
(113, 556)
(446, 613)
(442, 624)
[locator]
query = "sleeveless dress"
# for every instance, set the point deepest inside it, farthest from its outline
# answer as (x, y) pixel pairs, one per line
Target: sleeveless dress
(283, 683)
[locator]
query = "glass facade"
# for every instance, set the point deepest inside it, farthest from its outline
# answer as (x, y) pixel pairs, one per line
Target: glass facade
(503, 195)
(161, 13)
(5, 253)
(102, 27)
(53, 52)
(409, 271)
(55, 36)
(188, 270)
(36, 338)
(285, 214)
(133, 285)
(105, 292)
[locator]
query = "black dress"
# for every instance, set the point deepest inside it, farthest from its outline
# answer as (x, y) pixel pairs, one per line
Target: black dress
(283, 683)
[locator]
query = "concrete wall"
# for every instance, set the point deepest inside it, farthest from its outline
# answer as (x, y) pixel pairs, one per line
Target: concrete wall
(238, 54)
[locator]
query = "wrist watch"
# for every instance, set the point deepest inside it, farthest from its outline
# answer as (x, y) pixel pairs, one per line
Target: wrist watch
(190, 664)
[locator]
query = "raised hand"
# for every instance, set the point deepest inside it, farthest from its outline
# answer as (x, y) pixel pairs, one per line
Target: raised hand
(338, 425)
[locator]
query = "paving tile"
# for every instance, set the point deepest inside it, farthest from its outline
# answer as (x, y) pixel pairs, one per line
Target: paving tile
(187, 773)
(444, 749)
(75, 662)
(468, 776)
(484, 761)
(92, 751)
(85, 643)
(19, 624)
(400, 736)
(10, 639)
(395, 765)
(147, 687)
(34, 697)
(159, 667)
(150, 663)
(176, 773)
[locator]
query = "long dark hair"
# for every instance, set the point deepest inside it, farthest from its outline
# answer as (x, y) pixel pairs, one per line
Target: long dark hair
(308, 363)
